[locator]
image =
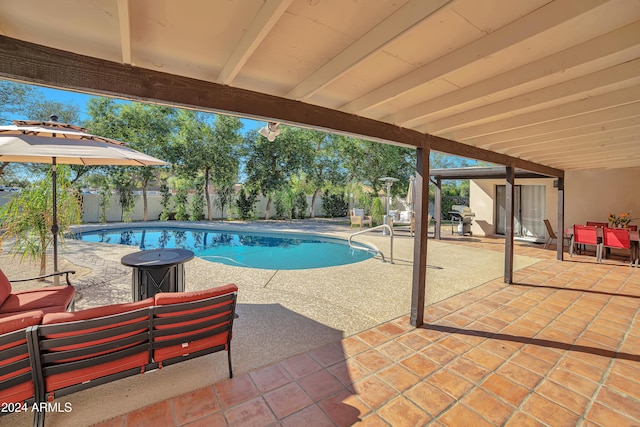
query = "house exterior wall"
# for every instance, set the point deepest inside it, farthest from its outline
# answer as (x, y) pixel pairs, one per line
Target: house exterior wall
(590, 195)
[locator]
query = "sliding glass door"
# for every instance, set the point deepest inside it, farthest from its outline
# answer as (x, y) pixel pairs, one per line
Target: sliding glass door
(529, 211)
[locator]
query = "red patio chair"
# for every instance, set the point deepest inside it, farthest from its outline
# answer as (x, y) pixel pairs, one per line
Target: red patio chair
(587, 235)
(617, 238)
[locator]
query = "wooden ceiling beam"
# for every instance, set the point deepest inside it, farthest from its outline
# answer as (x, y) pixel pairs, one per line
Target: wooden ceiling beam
(578, 143)
(376, 39)
(542, 19)
(581, 107)
(267, 17)
(36, 64)
(591, 52)
(124, 22)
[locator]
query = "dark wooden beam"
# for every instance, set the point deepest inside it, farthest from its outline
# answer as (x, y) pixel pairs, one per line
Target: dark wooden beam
(420, 240)
(36, 64)
(510, 220)
(560, 233)
(493, 172)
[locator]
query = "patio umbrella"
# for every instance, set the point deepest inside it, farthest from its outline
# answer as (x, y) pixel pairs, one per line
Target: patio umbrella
(60, 143)
(411, 196)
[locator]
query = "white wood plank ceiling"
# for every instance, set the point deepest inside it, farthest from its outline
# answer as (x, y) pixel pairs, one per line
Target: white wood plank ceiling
(553, 82)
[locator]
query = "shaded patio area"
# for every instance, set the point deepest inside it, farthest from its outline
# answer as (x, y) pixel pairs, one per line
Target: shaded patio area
(560, 346)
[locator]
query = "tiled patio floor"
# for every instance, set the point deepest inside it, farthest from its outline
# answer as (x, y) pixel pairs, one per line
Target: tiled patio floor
(559, 347)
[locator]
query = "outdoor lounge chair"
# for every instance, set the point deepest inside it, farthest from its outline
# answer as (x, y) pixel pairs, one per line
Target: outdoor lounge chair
(553, 236)
(49, 300)
(359, 218)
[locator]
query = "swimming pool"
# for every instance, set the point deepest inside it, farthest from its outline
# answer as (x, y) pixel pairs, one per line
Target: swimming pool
(272, 251)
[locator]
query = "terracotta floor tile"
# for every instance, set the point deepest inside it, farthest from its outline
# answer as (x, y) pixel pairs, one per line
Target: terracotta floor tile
(287, 399)
(584, 369)
(328, 355)
(348, 372)
(438, 354)
(420, 365)
(460, 415)
(429, 398)
(498, 324)
(624, 385)
(394, 350)
(374, 392)
(450, 382)
(373, 337)
(603, 416)
(113, 422)
(401, 412)
(373, 360)
(414, 341)
(311, 416)
(216, 419)
(484, 358)
(454, 344)
(520, 419)
(235, 390)
(429, 334)
(519, 374)
(344, 409)
(624, 405)
(498, 348)
(300, 365)
(398, 377)
(253, 413)
(194, 405)
(627, 370)
(563, 396)
(532, 363)
(390, 329)
(548, 354)
(506, 389)
(468, 369)
(270, 377)
(158, 414)
(320, 384)
(354, 345)
(549, 412)
(575, 382)
(372, 420)
(488, 406)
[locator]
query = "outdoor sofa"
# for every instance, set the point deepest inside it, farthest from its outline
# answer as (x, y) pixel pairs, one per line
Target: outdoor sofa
(48, 355)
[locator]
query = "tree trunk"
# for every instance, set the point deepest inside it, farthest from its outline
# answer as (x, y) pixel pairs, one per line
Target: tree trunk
(145, 208)
(313, 202)
(206, 194)
(43, 263)
(267, 212)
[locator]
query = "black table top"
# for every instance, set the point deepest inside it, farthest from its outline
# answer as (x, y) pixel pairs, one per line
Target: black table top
(156, 258)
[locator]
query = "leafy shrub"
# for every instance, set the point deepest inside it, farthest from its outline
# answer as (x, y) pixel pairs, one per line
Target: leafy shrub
(300, 205)
(181, 203)
(334, 206)
(165, 202)
(245, 204)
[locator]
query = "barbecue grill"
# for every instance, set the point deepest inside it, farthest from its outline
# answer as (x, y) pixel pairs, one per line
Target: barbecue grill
(461, 217)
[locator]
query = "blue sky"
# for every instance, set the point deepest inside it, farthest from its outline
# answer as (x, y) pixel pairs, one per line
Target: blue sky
(81, 99)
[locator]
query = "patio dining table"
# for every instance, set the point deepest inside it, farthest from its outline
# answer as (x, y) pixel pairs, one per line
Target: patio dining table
(634, 237)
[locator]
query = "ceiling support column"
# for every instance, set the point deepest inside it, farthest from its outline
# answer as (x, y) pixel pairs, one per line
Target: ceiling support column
(560, 233)
(509, 229)
(437, 209)
(419, 281)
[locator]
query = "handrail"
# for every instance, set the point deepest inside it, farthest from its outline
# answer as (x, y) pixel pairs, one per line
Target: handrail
(378, 227)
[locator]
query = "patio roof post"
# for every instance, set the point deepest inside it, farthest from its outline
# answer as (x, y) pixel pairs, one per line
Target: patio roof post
(509, 229)
(419, 281)
(560, 240)
(437, 209)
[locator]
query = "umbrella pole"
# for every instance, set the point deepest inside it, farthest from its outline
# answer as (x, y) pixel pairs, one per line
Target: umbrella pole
(54, 226)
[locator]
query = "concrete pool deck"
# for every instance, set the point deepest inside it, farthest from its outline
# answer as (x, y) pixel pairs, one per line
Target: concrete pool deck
(282, 313)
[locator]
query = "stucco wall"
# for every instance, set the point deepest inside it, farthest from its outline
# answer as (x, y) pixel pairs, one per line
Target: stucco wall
(590, 195)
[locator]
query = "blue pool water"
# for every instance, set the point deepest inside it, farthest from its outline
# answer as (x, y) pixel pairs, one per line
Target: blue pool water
(243, 249)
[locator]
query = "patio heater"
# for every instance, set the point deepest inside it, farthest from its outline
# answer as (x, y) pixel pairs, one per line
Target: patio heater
(389, 182)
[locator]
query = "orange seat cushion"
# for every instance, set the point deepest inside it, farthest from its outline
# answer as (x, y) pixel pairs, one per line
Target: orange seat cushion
(166, 298)
(36, 299)
(5, 287)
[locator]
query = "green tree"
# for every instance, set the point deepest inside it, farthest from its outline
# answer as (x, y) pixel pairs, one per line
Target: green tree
(124, 184)
(225, 196)
(209, 145)
(270, 165)
(28, 217)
